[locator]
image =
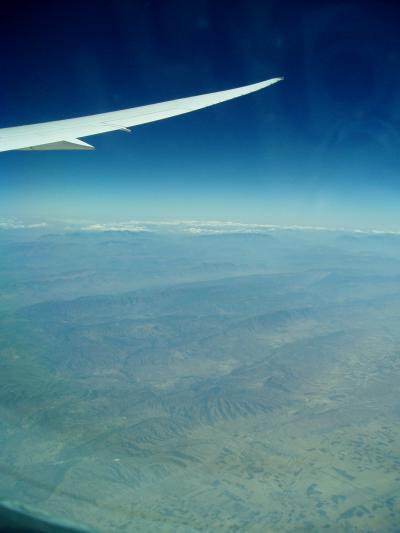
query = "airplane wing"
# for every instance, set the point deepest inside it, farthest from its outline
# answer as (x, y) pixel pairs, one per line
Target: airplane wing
(66, 134)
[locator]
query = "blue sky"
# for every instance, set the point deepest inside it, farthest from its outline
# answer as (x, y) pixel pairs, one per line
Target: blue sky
(319, 148)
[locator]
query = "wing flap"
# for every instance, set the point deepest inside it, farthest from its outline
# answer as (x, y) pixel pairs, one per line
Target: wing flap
(71, 144)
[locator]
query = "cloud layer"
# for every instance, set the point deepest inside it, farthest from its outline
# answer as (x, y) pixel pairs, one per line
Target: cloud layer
(191, 227)
(209, 227)
(10, 224)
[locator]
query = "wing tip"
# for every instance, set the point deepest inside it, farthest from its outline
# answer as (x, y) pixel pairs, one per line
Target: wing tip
(278, 78)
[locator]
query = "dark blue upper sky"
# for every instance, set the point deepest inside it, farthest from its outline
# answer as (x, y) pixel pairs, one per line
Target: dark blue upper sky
(320, 148)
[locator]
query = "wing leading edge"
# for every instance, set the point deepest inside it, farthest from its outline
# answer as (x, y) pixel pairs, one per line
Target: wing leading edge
(65, 134)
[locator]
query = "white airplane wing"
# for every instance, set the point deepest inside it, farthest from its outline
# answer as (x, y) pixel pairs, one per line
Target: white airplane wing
(66, 134)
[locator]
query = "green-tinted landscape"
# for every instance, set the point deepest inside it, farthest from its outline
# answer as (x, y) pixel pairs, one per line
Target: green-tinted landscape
(175, 381)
